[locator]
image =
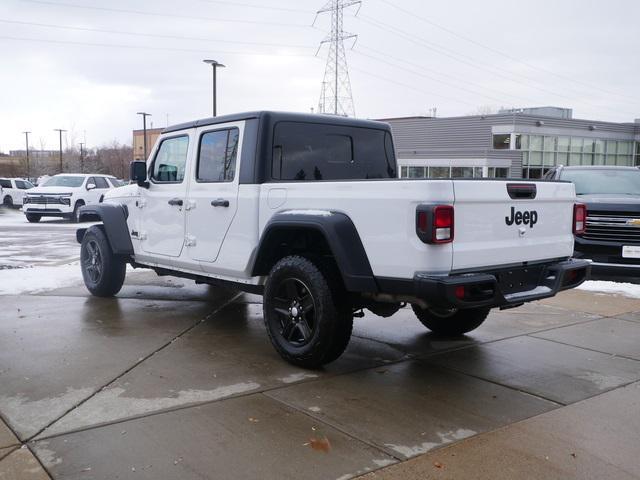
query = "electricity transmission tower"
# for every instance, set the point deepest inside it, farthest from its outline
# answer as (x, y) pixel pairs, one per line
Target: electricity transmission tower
(335, 96)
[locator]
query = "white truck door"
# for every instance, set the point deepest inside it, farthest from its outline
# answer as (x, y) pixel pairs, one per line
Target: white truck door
(213, 191)
(162, 215)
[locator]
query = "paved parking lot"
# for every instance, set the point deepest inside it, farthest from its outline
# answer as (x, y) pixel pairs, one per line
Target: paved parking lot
(173, 380)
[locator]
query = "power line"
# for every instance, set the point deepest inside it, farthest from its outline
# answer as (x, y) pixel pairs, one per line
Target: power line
(166, 15)
(405, 85)
(395, 61)
(455, 56)
(251, 5)
(151, 35)
(142, 47)
(499, 52)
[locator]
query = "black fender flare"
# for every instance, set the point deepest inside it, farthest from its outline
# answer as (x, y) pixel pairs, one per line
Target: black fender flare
(341, 236)
(114, 219)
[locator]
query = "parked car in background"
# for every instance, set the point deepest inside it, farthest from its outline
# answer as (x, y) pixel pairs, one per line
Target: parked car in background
(62, 195)
(612, 231)
(12, 191)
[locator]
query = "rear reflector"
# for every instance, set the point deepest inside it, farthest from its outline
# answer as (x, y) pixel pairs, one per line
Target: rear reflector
(579, 218)
(434, 224)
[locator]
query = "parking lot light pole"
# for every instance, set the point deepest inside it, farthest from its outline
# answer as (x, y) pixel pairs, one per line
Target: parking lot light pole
(144, 131)
(26, 134)
(81, 158)
(215, 66)
(60, 130)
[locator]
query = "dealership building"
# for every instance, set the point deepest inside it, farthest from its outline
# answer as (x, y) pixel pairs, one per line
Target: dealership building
(518, 143)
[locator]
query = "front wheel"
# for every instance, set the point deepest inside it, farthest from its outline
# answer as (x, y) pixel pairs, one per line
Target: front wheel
(451, 322)
(75, 216)
(33, 217)
(306, 321)
(102, 271)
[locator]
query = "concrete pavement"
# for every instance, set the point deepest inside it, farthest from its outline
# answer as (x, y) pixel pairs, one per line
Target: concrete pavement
(174, 380)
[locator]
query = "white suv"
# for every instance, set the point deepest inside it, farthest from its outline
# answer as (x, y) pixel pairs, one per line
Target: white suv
(12, 191)
(62, 195)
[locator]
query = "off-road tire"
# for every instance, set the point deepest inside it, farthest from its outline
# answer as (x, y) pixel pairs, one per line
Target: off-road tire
(33, 217)
(7, 201)
(330, 326)
(451, 323)
(95, 252)
(75, 216)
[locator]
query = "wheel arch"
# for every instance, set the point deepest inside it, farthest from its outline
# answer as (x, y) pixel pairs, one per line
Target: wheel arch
(114, 222)
(327, 232)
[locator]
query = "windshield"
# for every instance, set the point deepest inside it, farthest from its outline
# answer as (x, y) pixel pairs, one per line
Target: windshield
(64, 181)
(603, 181)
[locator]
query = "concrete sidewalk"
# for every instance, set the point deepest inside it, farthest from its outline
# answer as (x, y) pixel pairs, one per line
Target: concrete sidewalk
(172, 380)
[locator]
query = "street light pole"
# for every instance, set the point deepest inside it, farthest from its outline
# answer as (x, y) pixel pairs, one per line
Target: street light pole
(81, 158)
(60, 130)
(144, 129)
(26, 134)
(215, 66)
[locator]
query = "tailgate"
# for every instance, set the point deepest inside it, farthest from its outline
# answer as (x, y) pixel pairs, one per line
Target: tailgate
(506, 222)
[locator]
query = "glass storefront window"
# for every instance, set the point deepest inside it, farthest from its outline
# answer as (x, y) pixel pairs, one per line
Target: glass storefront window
(599, 146)
(439, 172)
(535, 158)
(599, 159)
(502, 172)
(625, 148)
(576, 144)
(562, 158)
(416, 172)
(563, 144)
(535, 173)
(535, 142)
(522, 142)
(574, 159)
(403, 172)
(625, 160)
(462, 172)
(587, 159)
(549, 144)
(477, 172)
(501, 141)
(549, 158)
(611, 146)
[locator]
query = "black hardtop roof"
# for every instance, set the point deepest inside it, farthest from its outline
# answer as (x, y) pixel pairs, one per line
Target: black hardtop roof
(274, 117)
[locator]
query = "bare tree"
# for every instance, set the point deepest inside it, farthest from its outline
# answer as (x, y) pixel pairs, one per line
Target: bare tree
(484, 110)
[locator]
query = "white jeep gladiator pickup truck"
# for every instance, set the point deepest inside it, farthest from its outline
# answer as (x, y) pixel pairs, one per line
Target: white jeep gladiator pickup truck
(307, 210)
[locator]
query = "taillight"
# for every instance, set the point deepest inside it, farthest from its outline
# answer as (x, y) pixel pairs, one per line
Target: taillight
(434, 224)
(579, 218)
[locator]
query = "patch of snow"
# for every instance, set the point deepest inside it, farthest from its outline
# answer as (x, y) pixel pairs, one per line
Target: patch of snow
(626, 289)
(445, 437)
(315, 409)
(38, 279)
(297, 377)
(112, 404)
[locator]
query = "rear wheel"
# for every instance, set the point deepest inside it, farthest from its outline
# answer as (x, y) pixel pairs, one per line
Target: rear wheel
(451, 322)
(33, 217)
(305, 320)
(102, 271)
(7, 201)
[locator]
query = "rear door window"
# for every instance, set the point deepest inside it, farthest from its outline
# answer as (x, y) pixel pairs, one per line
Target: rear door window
(5, 183)
(217, 157)
(313, 152)
(101, 182)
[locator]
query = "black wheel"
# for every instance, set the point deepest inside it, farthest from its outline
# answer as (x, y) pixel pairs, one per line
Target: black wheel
(102, 271)
(451, 322)
(7, 201)
(305, 323)
(33, 217)
(75, 216)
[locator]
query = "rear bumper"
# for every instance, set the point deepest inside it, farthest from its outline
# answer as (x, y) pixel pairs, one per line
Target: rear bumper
(489, 289)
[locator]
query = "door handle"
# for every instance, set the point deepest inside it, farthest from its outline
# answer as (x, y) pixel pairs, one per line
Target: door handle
(176, 202)
(220, 202)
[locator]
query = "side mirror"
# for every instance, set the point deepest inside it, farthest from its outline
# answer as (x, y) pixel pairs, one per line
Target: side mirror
(91, 186)
(139, 173)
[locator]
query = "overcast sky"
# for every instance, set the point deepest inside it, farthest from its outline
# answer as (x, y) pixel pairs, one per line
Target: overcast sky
(411, 55)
